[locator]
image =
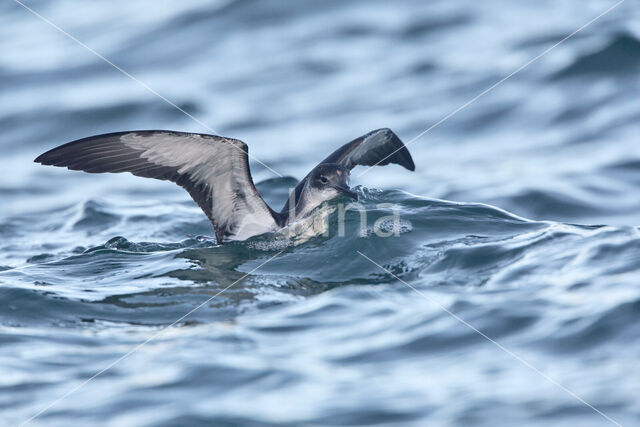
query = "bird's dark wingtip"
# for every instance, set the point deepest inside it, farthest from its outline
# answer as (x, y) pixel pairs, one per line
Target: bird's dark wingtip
(44, 158)
(405, 158)
(53, 157)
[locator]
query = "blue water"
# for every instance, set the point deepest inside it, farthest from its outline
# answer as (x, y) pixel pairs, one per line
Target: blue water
(521, 217)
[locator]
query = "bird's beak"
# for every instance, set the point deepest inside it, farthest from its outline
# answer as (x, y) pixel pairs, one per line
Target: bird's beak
(346, 191)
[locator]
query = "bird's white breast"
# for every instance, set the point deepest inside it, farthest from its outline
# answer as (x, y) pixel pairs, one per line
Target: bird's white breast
(253, 224)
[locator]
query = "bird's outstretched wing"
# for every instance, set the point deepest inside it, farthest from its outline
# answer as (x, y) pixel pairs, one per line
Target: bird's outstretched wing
(376, 148)
(214, 170)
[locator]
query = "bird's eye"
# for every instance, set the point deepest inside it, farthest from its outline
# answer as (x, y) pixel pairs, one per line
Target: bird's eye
(323, 179)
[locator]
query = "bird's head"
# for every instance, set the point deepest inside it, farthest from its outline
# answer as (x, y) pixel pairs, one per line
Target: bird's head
(332, 180)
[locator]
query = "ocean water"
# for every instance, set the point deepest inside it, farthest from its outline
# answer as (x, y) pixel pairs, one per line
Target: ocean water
(509, 296)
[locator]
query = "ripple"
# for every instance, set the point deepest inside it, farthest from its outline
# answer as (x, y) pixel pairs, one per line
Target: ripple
(619, 57)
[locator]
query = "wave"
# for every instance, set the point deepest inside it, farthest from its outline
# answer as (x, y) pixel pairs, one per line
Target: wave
(618, 58)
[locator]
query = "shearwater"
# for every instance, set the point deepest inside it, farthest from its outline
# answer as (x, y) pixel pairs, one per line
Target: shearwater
(215, 171)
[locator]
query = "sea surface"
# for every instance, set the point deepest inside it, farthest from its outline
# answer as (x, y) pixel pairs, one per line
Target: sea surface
(508, 294)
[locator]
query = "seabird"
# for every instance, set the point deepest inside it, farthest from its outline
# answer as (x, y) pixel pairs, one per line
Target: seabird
(215, 172)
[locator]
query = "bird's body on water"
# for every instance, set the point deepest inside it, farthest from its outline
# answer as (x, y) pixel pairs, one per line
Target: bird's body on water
(215, 171)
